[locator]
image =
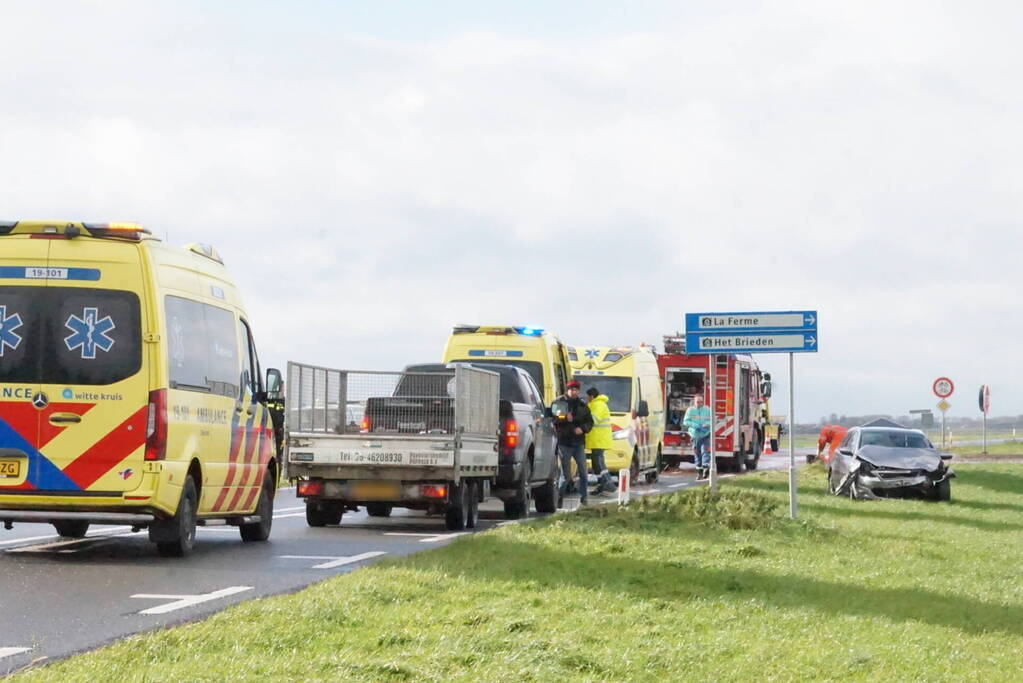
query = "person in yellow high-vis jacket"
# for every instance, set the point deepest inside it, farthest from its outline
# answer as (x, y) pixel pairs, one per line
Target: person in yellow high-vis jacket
(598, 439)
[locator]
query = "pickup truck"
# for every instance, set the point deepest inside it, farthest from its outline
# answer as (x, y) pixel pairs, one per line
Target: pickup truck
(424, 441)
(527, 464)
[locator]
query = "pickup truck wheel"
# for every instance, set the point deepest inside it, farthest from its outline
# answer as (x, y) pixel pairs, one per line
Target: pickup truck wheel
(379, 509)
(546, 498)
(474, 504)
(260, 531)
(457, 512)
(175, 537)
(322, 513)
(518, 506)
(71, 528)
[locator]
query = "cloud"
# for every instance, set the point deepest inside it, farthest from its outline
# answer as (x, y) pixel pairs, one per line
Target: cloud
(369, 191)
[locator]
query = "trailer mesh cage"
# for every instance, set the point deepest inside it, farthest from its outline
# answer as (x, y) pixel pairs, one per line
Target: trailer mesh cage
(451, 400)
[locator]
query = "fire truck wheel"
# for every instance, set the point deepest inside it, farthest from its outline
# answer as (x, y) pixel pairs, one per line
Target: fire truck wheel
(738, 460)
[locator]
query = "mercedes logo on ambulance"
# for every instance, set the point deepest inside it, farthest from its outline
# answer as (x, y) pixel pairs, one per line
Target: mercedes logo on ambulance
(40, 400)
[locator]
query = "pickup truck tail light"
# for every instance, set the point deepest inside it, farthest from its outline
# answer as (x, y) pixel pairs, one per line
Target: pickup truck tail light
(509, 436)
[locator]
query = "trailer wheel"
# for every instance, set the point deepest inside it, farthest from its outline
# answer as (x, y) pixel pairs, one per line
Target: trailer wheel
(379, 509)
(71, 528)
(322, 513)
(457, 512)
(474, 504)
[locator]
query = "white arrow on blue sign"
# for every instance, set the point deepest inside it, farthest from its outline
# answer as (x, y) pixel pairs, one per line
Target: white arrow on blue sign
(771, 341)
(751, 321)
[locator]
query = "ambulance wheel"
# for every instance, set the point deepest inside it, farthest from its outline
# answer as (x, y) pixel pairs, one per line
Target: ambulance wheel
(474, 504)
(260, 531)
(71, 528)
(379, 509)
(321, 513)
(457, 512)
(652, 477)
(175, 537)
(634, 468)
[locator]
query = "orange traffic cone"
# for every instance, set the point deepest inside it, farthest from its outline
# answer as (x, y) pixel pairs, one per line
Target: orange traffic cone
(767, 447)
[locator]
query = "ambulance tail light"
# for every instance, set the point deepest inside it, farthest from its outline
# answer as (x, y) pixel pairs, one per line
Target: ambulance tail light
(156, 426)
(366, 426)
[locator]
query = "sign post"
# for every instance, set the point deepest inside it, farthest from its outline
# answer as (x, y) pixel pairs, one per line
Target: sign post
(943, 388)
(788, 332)
(985, 405)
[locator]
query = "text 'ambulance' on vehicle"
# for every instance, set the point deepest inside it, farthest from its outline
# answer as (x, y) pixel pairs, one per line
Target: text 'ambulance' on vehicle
(538, 352)
(628, 376)
(130, 388)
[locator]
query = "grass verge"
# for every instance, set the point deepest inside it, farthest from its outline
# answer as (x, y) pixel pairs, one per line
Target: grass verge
(682, 587)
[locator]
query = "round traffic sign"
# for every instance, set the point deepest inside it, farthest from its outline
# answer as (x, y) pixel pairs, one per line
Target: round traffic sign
(943, 387)
(985, 398)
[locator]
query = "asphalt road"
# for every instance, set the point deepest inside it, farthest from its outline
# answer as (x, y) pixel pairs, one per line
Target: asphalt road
(60, 597)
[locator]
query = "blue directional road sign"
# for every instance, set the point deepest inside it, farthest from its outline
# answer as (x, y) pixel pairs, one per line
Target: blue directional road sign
(752, 332)
(767, 341)
(749, 322)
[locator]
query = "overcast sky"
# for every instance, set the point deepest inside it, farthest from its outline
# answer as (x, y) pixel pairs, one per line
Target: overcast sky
(374, 173)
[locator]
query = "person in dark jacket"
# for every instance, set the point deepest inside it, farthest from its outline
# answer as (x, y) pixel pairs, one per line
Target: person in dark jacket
(571, 430)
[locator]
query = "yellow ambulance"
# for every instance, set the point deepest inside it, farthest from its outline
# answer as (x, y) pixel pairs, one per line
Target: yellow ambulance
(538, 352)
(629, 377)
(130, 388)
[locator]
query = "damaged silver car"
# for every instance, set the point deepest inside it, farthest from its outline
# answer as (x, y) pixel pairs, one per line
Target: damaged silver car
(885, 462)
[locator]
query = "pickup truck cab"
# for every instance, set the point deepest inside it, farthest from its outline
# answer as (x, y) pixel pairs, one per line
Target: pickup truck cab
(527, 464)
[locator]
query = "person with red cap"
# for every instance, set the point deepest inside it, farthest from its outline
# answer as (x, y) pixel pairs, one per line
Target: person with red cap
(571, 431)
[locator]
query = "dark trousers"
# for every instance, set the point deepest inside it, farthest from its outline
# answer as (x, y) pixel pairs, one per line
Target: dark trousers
(576, 452)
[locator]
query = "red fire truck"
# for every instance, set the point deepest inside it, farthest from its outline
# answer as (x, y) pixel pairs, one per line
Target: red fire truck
(740, 404)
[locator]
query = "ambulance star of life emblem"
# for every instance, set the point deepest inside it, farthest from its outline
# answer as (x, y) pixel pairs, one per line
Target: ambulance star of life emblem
(592, 353)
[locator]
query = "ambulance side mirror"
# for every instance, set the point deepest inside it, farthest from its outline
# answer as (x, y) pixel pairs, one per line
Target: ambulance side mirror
(273, 384)
(643, 409)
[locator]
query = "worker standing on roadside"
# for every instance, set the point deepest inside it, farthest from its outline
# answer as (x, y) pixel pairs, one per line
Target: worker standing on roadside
(831, 435)
(697, 421)
(571, 433)
(599, 439)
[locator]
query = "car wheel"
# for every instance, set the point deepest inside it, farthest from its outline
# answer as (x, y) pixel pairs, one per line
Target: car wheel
(943, 491)
(379, 509)
(71, 528)
(175, 537)
(831, 485)
(546, 498)
(260, 531)
(457, 513)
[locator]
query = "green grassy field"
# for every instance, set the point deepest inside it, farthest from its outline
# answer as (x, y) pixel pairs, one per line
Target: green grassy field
(680, 587)
(1008, 448)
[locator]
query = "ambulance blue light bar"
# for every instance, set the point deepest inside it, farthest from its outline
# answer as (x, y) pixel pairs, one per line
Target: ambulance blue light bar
(530, 331)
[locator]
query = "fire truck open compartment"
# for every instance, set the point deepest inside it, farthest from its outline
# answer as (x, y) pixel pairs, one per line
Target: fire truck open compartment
(681, 386)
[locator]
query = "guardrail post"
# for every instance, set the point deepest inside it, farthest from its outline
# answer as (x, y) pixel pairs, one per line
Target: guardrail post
(624, 485)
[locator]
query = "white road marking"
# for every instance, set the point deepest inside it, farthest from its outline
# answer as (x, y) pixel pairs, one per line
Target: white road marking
(333, 561)
(228, 529)
(91, 534)
(74, 541)
(676, 486)
(509, 521)
(11, 651)
(300, 507)
(183, 601)
(290, 514)
(429, 538)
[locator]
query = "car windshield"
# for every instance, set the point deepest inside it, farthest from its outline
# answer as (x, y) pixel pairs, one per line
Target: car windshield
(894, 439)
(617, 389)
(69, 335)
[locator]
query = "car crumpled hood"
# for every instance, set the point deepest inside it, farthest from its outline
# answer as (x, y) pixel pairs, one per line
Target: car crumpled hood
(901, 458)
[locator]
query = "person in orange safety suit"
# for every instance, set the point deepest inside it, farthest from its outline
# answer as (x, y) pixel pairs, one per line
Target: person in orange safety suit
(831, 435)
